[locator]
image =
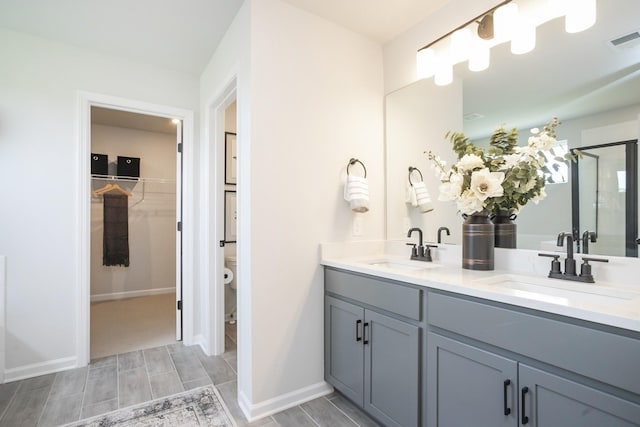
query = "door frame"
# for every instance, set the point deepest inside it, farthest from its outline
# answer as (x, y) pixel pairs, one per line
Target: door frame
(86, 100)
(212, 196)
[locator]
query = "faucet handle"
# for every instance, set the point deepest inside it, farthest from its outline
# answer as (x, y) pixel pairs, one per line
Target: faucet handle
(585, 268)
(414, 250)
(555, 263)
(427, 252)
(586, 260)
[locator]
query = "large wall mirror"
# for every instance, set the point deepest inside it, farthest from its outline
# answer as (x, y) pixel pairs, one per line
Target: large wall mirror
(591, 84)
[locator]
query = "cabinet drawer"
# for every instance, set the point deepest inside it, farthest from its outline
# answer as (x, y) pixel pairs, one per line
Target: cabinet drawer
(387, 295)
(603, 356)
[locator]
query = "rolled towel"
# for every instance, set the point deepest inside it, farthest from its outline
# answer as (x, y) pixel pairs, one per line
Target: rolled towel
(356, 192)
(410, 196)
(423, 199)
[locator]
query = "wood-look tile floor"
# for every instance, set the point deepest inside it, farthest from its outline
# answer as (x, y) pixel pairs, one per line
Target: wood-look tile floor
(136, 377)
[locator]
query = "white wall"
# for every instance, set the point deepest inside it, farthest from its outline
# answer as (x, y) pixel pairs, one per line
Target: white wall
(310, 96)
(229, 69)
(152, 215)
(416, 125)
(39, 83)
(317, 100)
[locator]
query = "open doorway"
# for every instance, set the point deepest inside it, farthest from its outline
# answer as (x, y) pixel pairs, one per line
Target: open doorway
(230, 227)
(135, 239)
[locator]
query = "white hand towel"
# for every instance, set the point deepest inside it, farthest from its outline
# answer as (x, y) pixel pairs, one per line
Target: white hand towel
(356, 192)
(423, 198)
(410, 196)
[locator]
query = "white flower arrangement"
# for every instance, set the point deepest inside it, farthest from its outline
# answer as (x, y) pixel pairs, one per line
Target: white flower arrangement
(502, 178)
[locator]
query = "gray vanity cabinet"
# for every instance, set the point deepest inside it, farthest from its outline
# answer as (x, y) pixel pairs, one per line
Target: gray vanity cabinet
(371, 355)
(551, 400)
(481, 369)
(344, 348)
(471, 386)
(468, 386)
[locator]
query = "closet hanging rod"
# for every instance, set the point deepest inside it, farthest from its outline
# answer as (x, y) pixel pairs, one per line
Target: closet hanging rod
(132, 179)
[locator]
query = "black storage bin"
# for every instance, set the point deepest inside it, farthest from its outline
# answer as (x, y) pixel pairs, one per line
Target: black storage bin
(129, 166)
(99, 164)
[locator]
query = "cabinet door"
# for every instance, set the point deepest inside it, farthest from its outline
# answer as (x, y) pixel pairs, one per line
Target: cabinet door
(392, 367)
(344, 356)
(551, 401)
(468, 386)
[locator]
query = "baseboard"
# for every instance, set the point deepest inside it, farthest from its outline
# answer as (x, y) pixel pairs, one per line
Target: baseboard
(42, 368)
(131, 294)
(197, 340)
(282, 402)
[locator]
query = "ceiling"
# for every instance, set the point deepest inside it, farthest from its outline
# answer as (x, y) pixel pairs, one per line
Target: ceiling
(126, 119)
(184, 38)
(566, 75)
(182, 35)
(380, 20)
(179, 35)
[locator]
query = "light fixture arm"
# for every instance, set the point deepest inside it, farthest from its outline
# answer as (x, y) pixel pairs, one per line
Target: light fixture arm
(465, 25)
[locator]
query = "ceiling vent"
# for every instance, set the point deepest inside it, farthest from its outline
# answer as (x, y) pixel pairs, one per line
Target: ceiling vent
(626, 41)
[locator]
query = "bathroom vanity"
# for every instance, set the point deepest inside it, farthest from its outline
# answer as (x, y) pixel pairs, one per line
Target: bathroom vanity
(430, 344)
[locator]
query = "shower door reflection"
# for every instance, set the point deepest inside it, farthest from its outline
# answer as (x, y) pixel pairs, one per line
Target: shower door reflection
(604, 190)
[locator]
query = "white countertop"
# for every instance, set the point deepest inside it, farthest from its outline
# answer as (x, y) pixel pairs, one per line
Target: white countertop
(610, 304)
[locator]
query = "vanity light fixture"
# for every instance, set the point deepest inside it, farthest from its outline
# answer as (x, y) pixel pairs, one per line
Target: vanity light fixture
(524, 37)
(497, 25)
(505, 21)
(580, 15)
(463, 45)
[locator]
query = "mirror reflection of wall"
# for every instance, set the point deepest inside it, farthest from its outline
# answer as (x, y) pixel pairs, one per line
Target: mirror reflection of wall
(417, 117)
(594, 94)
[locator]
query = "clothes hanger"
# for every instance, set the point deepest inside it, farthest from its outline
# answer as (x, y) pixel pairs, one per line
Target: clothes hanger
(112, 187)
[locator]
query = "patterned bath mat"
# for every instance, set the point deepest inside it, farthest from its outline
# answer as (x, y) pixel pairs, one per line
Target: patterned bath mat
(198, 407)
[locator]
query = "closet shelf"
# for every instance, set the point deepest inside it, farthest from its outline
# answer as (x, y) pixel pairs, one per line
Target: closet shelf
(132, 179)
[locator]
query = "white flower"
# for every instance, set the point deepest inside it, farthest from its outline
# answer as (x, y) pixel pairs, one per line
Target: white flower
(469, 162)
(487, 184)
(469, 203)
(510, 160)
(440, 171)
(541, 142)
(450, 190)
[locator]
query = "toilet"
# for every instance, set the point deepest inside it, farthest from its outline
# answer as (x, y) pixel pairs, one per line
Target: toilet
(230, 308)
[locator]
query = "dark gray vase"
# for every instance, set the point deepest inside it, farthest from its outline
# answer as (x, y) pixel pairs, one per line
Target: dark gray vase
(505, 229)
(478, 239)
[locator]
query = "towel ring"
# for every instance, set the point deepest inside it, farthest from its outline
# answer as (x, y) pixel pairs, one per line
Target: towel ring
(412, 169)
(353, 161)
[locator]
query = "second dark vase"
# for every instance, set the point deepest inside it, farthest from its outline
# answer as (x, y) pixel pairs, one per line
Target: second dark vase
(478, 241)
(505, 229)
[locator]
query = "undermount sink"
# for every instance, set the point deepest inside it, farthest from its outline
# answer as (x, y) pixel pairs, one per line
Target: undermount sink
(398, 265)
(557, 291)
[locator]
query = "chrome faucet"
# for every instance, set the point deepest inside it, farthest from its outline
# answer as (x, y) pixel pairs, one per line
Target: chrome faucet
(440, 230)
(586, 237)
(422, 252)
